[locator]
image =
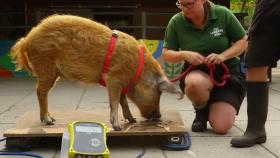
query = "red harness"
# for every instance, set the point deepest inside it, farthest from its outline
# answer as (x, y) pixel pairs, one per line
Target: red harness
(109, 55)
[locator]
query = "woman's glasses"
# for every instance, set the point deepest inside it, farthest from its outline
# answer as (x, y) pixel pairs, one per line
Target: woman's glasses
(188, 5)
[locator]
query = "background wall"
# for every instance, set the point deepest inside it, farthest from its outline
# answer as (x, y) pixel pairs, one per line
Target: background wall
(7, 67)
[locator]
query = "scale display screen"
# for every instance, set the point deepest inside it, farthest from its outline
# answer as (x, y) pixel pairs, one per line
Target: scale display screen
(87, 138)
(88, 129)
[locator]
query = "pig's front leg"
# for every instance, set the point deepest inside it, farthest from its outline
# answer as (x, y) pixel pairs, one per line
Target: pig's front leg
(126, 112)
(114, 98)
(114, 117)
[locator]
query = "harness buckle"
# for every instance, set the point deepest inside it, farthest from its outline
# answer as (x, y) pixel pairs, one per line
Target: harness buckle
(115, 33)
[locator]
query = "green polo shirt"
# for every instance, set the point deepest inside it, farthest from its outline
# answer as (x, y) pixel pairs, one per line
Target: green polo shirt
(221, 30)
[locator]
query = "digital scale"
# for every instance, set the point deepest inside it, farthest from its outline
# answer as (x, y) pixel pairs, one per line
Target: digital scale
(85, 140)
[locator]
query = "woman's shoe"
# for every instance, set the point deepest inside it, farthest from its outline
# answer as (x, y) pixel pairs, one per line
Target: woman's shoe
(200, 122)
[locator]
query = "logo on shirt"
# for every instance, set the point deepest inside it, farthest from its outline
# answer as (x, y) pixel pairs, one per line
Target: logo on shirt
(216, 32)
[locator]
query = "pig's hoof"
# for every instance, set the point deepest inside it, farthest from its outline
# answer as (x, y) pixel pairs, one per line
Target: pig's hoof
(53, 120)
(117, 128)
(49, 123)
(48, 120)
(156, 119)
(132, 120)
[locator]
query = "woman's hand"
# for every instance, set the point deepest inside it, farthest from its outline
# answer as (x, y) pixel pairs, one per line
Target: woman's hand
(193, 58)
(214, 59)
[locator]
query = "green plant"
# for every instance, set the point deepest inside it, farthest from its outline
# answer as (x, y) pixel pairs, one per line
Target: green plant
(244, 6)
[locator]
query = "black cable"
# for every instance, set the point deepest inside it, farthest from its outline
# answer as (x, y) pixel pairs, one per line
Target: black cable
(2, 139)
(142, 152)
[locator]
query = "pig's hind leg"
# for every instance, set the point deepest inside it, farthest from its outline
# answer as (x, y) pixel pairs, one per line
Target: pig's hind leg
(126, 112)
(44, 85)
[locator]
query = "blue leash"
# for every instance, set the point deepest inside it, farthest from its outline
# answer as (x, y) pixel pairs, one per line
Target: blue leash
(18, 153)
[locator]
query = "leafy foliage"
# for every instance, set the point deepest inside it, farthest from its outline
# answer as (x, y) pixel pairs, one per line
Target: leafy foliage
(244, 6)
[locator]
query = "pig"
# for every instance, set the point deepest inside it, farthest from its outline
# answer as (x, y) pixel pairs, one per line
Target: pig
(74, 48)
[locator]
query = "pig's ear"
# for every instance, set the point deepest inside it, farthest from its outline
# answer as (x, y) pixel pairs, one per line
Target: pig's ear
(165, 85)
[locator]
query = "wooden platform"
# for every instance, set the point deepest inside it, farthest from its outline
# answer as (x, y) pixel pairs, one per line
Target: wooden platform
(29, 125)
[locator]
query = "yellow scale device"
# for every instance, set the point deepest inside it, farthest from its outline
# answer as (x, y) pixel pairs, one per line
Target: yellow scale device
(85, 140)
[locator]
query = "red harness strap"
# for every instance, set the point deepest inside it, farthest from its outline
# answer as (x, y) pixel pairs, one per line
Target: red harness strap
(110, 53)
(211, 68)
(223, 79)
(139, 70)
(183, 74)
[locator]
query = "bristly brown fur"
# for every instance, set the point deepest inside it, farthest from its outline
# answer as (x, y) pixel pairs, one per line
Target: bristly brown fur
(18, 54)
